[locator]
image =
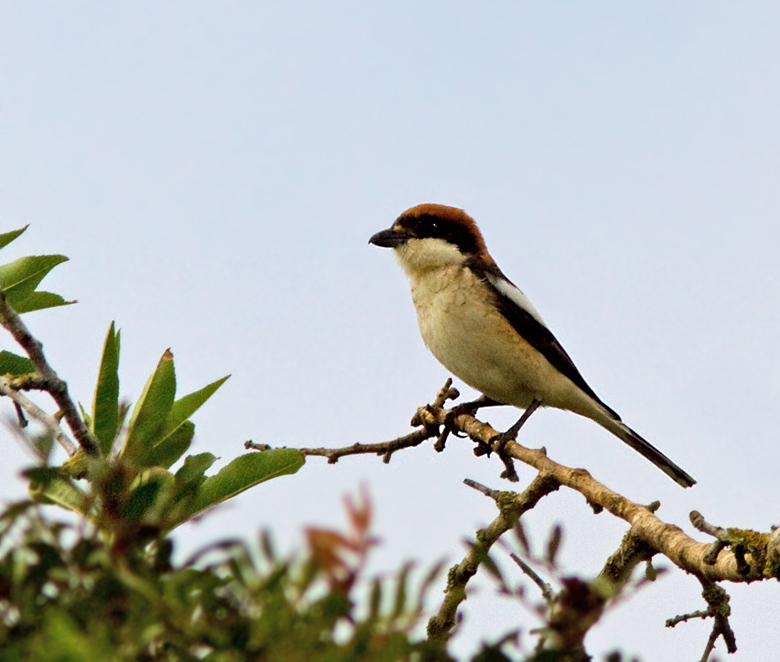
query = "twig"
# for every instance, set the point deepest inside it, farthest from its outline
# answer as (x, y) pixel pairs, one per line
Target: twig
(682, 618)
(479, 487)
(718, 607)
(23, 423)
(546, 589)
(511, 506)
(384, 448)
(698, 521)
(51, 383)
(740, 540)
(37, 413)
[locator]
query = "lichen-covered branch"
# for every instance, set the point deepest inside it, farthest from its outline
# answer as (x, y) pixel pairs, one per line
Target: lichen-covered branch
(668, 539)
(511, 506)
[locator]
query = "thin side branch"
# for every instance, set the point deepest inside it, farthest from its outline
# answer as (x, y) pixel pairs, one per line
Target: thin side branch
(38, 414)
(384, 448)
(544, 587)
(50, 382)
(718, 606)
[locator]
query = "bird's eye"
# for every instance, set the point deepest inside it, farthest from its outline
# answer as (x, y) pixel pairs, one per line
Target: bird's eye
(428, 228)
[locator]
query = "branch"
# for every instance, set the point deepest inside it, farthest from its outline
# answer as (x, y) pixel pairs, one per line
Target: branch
(632, 551)
(511, 507)
(50, 382)
(668, 539)
(37, 413)
(385, 448)
(544, 587)
(752, 557)
(718, 608)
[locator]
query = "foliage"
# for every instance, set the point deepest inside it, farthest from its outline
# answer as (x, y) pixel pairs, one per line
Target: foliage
(130, 488)
(65, 594)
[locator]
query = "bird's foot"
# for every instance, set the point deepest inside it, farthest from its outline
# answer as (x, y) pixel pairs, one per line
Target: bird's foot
(469, 408)
(498, 443)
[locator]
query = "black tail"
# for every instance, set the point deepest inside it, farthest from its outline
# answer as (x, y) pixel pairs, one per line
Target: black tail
(646, 449)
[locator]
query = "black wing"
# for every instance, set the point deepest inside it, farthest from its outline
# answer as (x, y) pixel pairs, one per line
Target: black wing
(532, 329)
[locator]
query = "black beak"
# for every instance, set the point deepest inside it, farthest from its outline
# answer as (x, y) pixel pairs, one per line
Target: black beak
(388, 238)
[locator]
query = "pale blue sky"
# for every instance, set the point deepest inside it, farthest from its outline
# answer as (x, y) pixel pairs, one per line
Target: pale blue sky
(214, 171)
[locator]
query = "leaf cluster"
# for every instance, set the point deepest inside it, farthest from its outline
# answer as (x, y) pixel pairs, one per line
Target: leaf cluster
(65, 594)
(130, 486)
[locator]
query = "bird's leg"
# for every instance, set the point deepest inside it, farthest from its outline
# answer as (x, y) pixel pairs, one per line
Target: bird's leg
(501, 440)
(470, 408)
(511, 433)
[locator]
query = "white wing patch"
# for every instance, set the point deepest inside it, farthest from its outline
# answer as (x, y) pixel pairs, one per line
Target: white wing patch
(516, 296)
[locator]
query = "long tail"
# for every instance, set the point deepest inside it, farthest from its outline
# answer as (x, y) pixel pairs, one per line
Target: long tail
(646, 449)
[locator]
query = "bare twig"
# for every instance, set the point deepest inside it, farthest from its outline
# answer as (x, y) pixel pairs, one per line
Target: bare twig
(479, 487)
(682, 618)
(384, 448)
(698, 521)
(544, 587)
(38, 414)
(718, 606)
(50, 382)
(20, 418)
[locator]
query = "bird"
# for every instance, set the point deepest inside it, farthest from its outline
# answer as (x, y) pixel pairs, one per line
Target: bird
(485, 331)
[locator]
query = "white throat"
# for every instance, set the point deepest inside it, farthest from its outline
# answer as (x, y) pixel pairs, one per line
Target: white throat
(418, 256)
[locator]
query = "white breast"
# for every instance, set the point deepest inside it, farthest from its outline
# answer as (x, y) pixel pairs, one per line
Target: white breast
(474, 341)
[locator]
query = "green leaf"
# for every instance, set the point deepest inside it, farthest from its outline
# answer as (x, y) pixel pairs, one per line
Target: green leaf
(152, 409)
(49, 486)
(141, 499)
(105, 406)
(553, 545)
(40, 301)
(244, 472)
(194, 468)
(376, 599)
(176, 444)
(21, 277)
(7, 237)
(13, 364)
(185, 407)
(400, 594)
(426, 584)
(182, 409)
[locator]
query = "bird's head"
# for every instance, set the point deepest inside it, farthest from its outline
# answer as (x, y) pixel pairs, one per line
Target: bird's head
(432, 236)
